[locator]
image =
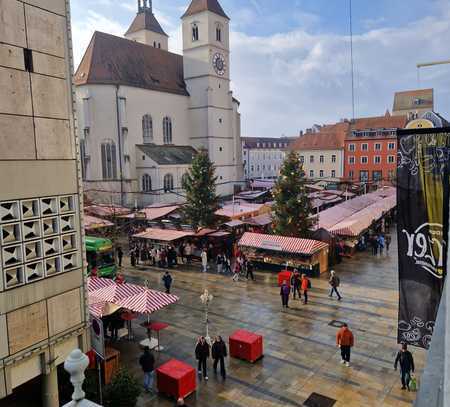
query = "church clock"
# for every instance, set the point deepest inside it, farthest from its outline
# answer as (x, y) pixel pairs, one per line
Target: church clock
(219, 64)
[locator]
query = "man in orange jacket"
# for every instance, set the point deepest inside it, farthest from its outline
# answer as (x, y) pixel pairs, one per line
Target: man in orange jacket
(345, 341)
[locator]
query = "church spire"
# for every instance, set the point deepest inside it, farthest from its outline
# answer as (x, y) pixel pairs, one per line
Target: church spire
(144, 5)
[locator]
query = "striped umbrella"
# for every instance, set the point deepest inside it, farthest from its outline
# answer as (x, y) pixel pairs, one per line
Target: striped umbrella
(147, 301)
(95, 283)
(116, 292)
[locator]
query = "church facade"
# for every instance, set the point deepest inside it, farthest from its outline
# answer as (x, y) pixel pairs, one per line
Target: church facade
(143, 111)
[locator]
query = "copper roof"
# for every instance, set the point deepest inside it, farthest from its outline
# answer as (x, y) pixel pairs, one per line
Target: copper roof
(414, 99)
(330, 137)
(111, 60)
(145, 20)
(197, 6)
(381, 122)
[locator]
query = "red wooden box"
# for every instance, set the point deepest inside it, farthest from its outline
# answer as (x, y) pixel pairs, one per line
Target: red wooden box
(176, 379)
(246, 345)
(284, 276)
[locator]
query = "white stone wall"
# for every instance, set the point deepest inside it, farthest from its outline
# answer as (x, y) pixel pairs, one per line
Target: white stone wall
(261, 162)
(327, 166)
(150, 38)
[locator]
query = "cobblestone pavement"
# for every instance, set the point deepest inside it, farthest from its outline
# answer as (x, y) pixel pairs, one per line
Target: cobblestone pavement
(300, 355)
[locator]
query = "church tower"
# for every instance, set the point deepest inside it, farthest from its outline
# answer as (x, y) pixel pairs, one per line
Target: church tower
(206, 55)
(146, 29)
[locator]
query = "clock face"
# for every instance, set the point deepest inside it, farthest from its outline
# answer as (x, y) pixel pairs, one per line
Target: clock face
(219, 64)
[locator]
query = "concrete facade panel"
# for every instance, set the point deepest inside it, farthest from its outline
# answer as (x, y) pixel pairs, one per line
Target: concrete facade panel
(53, 139)
(4, 351)
(16, 94)
(12, 23)
(25, 371)
(11, 57)
(40, 290)
(2, 383)
(14, 147)
(55, 6)
(45, 31)
(49, 97)
(64, 312)
(49, 65)
(63, 349)
(27, 326)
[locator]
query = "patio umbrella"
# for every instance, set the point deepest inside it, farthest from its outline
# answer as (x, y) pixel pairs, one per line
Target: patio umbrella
(147, 301)
(95, 283)
(116, 292)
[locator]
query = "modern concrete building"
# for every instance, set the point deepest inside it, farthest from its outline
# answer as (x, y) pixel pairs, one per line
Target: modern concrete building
(263, 156)
(42, 298)
(157, 98)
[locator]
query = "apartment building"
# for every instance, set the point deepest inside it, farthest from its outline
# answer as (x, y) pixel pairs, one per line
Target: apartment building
(42, 287)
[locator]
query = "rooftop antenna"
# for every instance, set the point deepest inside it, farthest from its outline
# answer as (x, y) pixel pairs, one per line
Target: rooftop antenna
(351, 59)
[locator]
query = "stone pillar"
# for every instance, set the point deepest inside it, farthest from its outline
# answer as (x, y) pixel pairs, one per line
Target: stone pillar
(50, 396)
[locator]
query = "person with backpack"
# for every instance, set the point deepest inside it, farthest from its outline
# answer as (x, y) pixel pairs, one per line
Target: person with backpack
(284, 293)
(334, 283)
(306, 285)
(147, 362)
(406, 361)
(296, 284)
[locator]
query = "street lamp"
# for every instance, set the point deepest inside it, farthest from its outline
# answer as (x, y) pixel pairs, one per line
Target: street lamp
(206, 298)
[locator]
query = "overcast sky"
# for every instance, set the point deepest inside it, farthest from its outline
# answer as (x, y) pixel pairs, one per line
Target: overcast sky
(290, 61)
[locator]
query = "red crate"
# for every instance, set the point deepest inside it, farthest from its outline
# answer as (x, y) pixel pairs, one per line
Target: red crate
(176, 379)
(246, 345)
(284, 276)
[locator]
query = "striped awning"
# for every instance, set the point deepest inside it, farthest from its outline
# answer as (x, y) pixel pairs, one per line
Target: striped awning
(117, 292)
(282, 243)
(95, 283)
(148, 301)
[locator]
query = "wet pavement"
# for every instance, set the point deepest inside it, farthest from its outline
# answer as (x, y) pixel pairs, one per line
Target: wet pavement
(300, 354)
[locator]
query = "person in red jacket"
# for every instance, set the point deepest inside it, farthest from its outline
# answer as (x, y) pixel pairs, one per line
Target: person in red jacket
(306, 285)
(345, 341)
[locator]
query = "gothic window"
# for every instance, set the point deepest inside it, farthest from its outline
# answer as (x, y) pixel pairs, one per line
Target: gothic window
(167, 130)
(218, 33)
(168, 182)
(147, 129)
(109, 161)
(146, 183)
(195, 33)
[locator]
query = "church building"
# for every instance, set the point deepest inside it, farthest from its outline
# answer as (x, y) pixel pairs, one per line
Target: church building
(144, 112)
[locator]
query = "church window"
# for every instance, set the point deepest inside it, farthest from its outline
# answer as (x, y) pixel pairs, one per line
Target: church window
(146, 183)
(159, 45)
(195, 33)
(168, 182)
(167, 130)
(154, 44)
(220, 120)
(109, 161)
(218, 34)
(147, 129)
(220, 148)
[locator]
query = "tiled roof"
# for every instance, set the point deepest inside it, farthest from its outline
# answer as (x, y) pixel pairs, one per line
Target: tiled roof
(381, 122)
(252, 142)
(169, 155)
(414, 99)
(197, 6)
(145, 20)
(330, 137)
(111, 60)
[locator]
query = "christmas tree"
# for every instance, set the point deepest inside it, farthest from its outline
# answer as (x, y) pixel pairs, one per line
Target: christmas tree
(292, 209)
(200, 186)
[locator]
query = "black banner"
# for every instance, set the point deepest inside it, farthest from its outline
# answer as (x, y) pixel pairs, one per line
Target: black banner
(423, 207)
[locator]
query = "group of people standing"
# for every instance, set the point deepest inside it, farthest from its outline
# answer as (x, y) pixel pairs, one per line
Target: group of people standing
(161, 257)
(379, 242)
(299, 283)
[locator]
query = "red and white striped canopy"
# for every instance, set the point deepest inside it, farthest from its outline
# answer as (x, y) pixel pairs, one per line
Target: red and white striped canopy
(117, 292)
(148, 301)
(95, 283)
(281, 243)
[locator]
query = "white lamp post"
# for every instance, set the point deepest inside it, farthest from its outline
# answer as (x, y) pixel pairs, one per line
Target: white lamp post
(206, 298)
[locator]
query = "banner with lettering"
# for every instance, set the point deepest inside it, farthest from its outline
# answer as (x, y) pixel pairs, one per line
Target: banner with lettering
(423, 186)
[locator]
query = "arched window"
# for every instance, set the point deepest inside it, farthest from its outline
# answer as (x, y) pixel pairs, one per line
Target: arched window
(168, 182)
(167, 130)
(146, 183)
(147, 129)
(218, 33)
(194, 32)
(109, 161)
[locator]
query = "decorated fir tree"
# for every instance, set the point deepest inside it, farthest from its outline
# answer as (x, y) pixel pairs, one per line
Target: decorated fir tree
(200, 186)
(292, 209)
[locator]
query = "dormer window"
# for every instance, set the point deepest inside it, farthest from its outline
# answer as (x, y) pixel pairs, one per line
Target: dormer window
(195, 32)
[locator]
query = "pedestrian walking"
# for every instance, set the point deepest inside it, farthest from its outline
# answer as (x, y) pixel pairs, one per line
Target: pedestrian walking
(334, 283)
(296, 283)
(202, 355)
(120, 255)
(237, 271)
(345, 341)
(374, 245)
(147, 362)
(219, 353)
(388, 240)
(284, 293)
(204, 257)
(133, 258)
(381, 242)
(167, 280)
(226, 264)
(406, 361)
(306, 285)
(249, 267)
(219, 263)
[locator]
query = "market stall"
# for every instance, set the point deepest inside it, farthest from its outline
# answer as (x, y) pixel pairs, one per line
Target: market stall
(309, 256)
